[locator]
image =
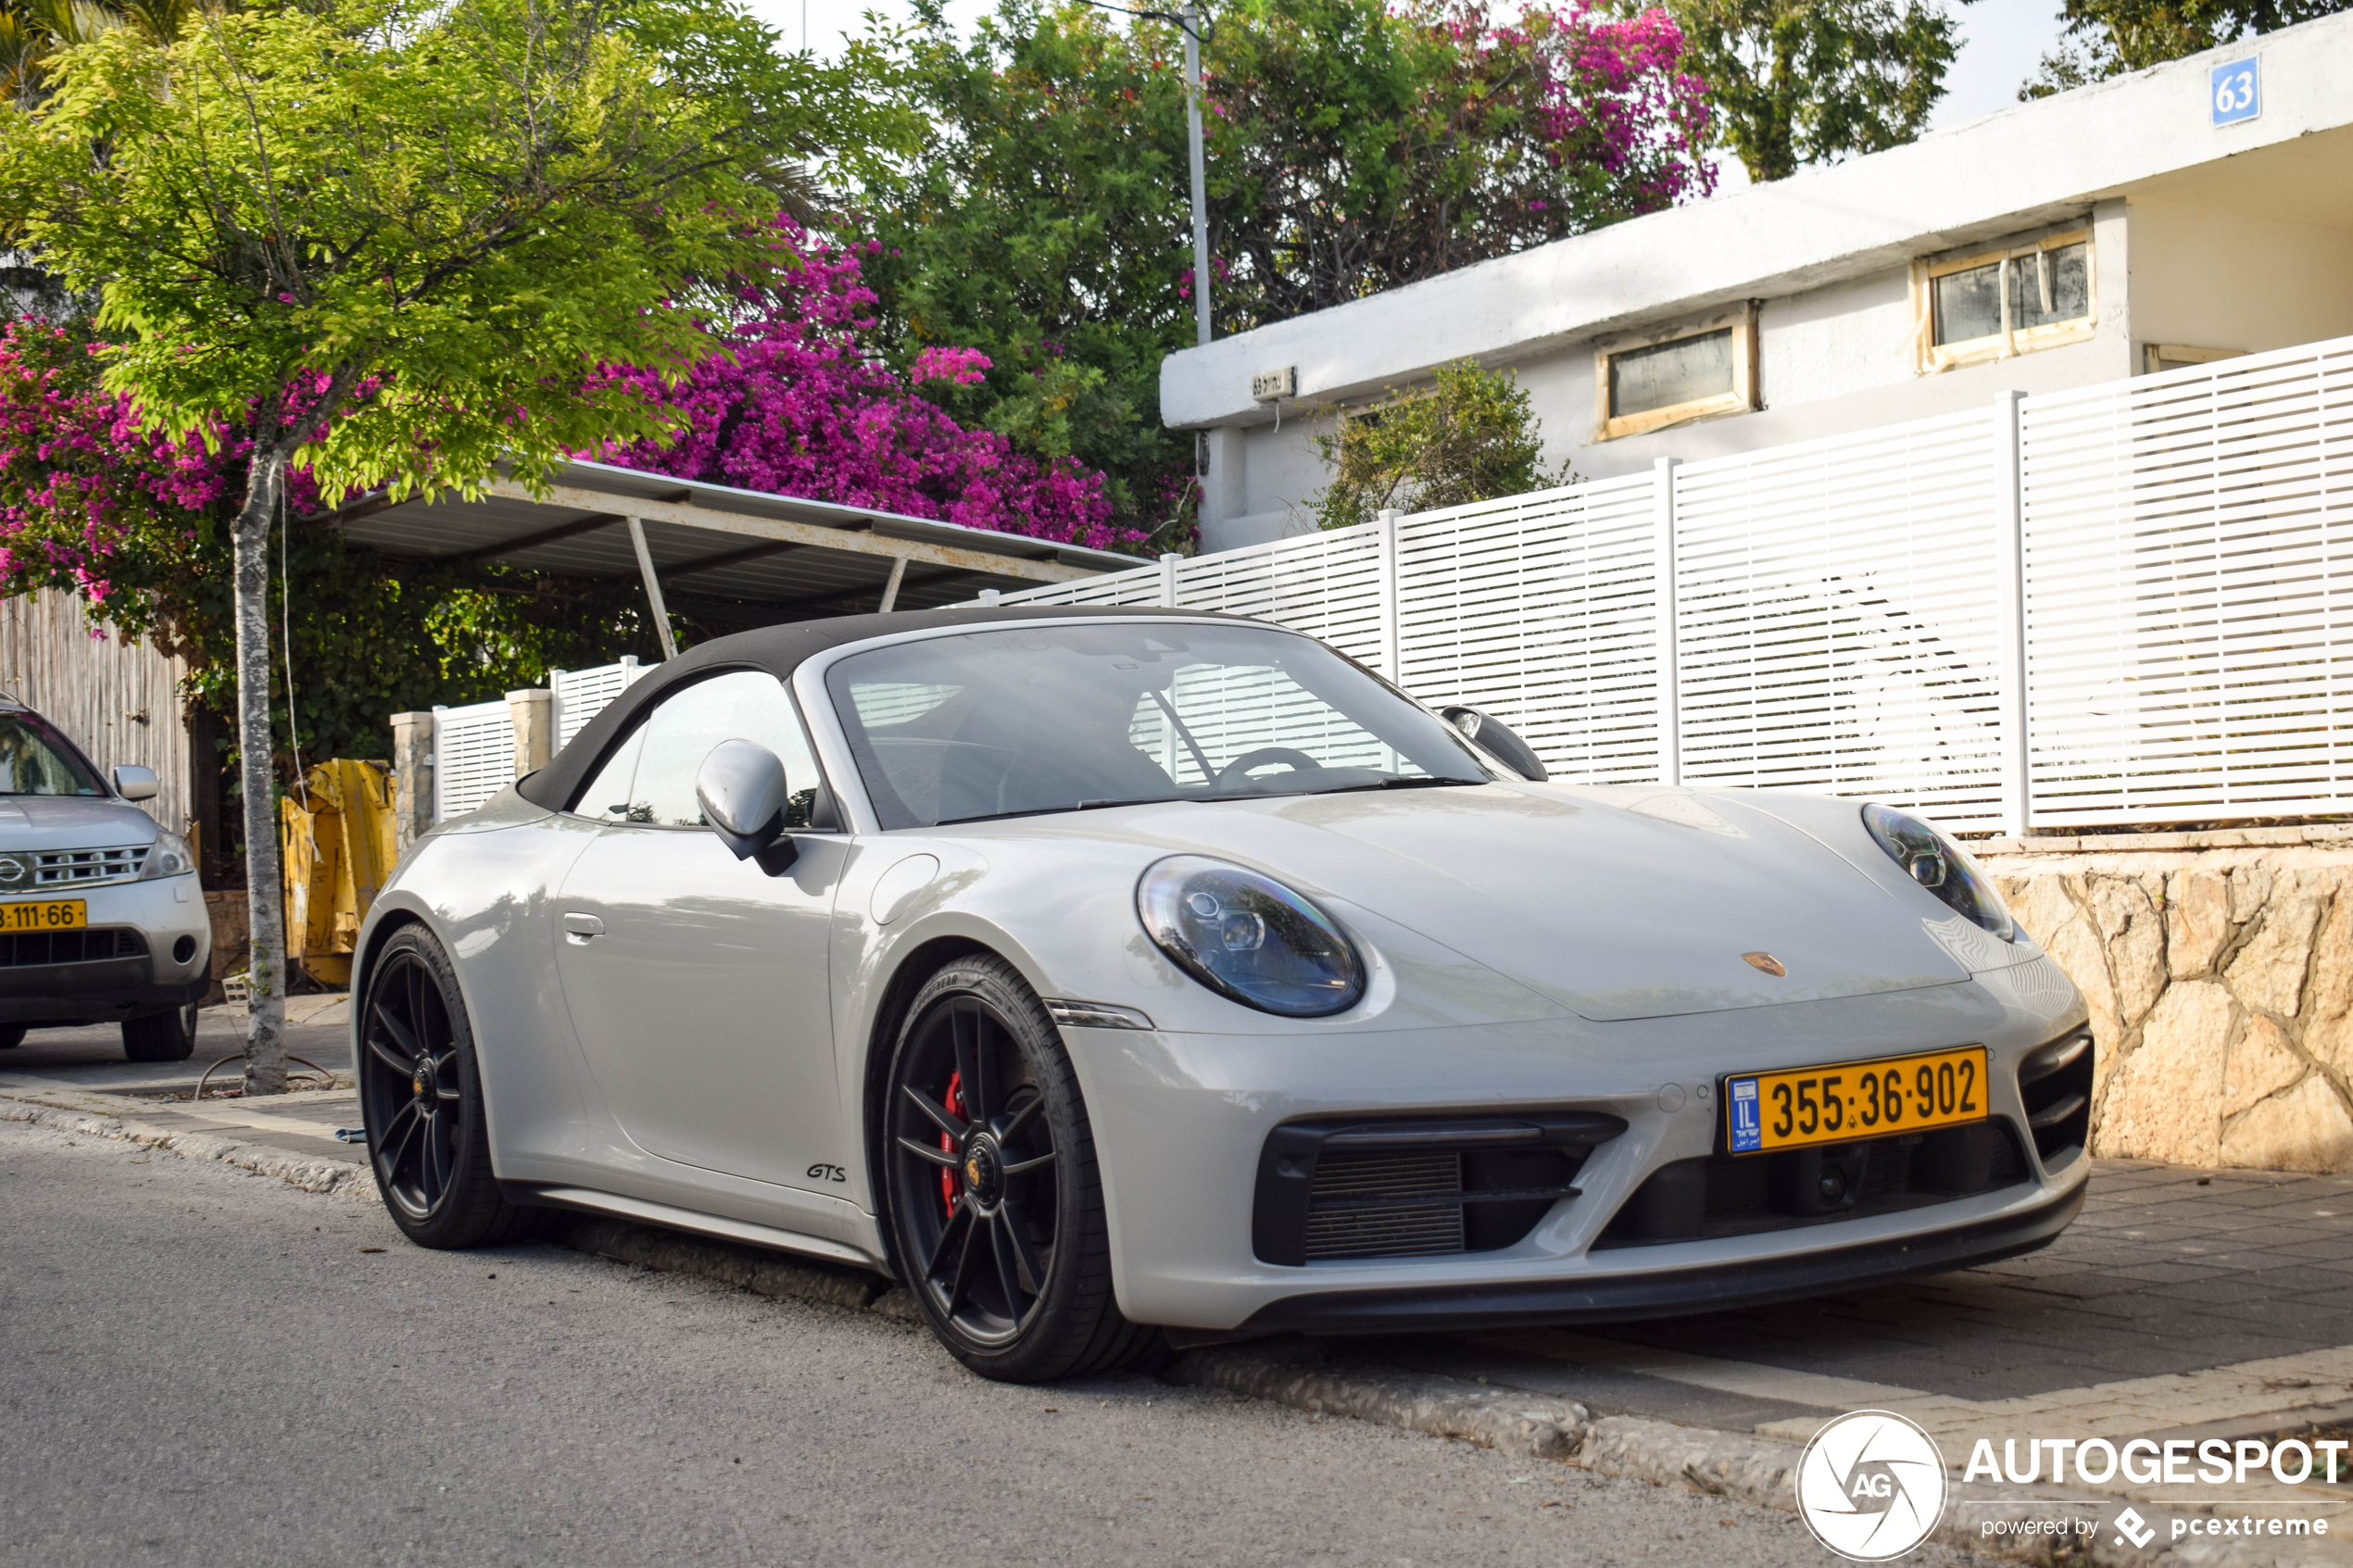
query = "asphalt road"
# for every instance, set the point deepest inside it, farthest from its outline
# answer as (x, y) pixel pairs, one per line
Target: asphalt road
(200, 1366)
(90, 1058)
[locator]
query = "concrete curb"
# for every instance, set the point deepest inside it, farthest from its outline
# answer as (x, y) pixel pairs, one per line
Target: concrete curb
(1509, 1420)
(334, 1178)
(1299, 1374)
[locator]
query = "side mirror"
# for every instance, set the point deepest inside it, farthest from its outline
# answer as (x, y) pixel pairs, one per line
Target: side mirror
(741, 789)
(133, 782)
(1491, 737)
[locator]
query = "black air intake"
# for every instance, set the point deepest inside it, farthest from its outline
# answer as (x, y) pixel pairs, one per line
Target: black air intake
(1416, 1188)
(2056, 1083)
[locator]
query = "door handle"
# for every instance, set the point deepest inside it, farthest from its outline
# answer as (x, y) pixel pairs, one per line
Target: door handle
(579, 928)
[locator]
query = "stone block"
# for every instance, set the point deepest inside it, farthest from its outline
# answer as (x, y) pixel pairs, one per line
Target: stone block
(2328, 1001)
(2164, 1100)
(2250, 886)
(2124, 910)
(2267, 971)
(2261, 1064)
(2305, 1128)
(2198, 920)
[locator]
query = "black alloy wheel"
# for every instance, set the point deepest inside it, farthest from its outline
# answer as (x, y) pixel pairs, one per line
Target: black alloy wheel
(996, 1207)
(420, 1099)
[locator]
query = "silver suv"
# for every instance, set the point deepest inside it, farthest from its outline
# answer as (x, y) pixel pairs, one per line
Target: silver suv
(100, 917)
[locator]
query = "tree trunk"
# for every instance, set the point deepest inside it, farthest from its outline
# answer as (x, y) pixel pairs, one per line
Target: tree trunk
(265, 886)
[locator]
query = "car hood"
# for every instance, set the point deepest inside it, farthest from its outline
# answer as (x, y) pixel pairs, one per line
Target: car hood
(1616, 903)
(71, 822)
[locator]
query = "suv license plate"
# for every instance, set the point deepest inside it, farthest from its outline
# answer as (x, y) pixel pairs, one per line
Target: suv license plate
(1847, 1100)
(54, 915)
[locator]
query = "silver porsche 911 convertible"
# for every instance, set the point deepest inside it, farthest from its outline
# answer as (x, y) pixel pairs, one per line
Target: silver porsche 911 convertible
(1119, 977)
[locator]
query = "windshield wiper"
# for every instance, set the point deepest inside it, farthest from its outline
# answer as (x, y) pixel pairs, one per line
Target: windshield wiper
(1399, 782)
(1055, 811)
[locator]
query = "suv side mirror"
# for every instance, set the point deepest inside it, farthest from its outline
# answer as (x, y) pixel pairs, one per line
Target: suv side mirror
(1491, 737)
(741, 789)
(133, 782)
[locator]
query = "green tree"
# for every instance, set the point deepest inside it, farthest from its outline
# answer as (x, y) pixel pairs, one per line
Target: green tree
(1800, 82)
(2104, 38)
(1471, 436)
(1353, 146)
(395, 238)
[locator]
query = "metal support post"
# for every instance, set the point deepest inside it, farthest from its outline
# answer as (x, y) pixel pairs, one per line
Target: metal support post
(2010, 573)
(1392, 660)
(1189, 17)
(653, 588)
(890, 589)
(1671, 713)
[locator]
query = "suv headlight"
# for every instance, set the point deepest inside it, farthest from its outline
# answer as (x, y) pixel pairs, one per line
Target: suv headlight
(1249, 937)
(1937, 863)
(169, 856)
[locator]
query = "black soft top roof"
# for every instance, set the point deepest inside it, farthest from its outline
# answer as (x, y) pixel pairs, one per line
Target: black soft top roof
(780, 650)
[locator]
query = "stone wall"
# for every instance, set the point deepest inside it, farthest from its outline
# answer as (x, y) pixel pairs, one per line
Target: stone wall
(2219, 969)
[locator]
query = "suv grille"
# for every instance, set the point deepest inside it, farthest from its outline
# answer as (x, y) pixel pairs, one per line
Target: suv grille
(69, 947)
(1744, 1195)
(1416, 1188)
(39, 871)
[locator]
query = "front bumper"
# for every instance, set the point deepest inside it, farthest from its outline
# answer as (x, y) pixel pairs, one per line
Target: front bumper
(168, 914)
(1180, 1121)
(1754, 1282)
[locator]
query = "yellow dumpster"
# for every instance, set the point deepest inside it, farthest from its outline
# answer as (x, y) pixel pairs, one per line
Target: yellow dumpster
(336, 836)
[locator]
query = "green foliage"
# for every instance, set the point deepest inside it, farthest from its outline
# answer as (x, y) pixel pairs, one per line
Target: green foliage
(2104, 38)
(1044, 223)
(1351, 147)
(1800, 82)
(431, 221)
(1470, 437)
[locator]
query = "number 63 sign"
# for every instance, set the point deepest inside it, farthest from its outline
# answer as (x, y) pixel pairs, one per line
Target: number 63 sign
(2234, 92)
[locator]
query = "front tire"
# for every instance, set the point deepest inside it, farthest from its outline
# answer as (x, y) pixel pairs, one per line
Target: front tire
(12, 1036)
(421, 1098)
(996, 1205)
(163, 1036)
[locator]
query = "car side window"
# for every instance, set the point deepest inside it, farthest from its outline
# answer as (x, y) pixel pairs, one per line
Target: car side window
(651, 778)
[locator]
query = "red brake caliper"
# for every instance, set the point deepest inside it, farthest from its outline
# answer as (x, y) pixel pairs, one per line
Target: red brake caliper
(955, 1105)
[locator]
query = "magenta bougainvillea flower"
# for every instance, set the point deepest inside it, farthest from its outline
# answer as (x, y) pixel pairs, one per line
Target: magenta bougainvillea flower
(803, 405)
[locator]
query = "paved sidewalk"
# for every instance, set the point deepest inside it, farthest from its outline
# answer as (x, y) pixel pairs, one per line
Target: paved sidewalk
(2177, 1295)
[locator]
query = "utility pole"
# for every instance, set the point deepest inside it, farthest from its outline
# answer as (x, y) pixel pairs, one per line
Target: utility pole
(1189, 17)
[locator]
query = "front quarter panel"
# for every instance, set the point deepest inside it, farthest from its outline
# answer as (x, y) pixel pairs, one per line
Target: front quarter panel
(484, 887)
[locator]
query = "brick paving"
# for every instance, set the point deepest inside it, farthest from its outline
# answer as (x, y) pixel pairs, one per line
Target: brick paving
(2168, 1271)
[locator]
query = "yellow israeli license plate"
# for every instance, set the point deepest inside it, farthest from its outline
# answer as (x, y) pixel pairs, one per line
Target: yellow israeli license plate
(54, 914)
(1764, 1111)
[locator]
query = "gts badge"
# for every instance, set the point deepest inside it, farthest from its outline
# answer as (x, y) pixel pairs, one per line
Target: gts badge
(826, 1174)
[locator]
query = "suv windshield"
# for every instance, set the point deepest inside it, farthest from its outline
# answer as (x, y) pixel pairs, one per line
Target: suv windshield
(982, 724)
(35, 759)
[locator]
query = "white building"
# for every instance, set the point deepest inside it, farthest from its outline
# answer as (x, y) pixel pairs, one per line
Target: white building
(2181, 213)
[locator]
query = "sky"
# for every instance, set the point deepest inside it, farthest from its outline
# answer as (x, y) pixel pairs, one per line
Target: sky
(2002, 40)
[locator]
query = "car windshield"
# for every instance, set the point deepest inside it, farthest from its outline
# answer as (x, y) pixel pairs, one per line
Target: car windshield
(1064, 718)
(35, 759)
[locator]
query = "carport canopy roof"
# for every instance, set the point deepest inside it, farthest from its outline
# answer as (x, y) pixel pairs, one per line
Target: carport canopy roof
(739, 557)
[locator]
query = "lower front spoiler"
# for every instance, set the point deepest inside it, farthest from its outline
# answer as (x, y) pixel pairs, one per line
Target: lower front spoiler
(1673, 1293)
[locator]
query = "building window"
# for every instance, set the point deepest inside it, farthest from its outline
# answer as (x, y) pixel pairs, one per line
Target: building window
(2036, 293)
(1691, 371)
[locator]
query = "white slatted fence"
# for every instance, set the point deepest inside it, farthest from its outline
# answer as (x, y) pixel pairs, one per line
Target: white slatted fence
(2128, 603)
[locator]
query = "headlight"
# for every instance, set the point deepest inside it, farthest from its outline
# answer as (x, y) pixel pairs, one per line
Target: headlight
(169, 856)
(1249, 937)
(1942, 866)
